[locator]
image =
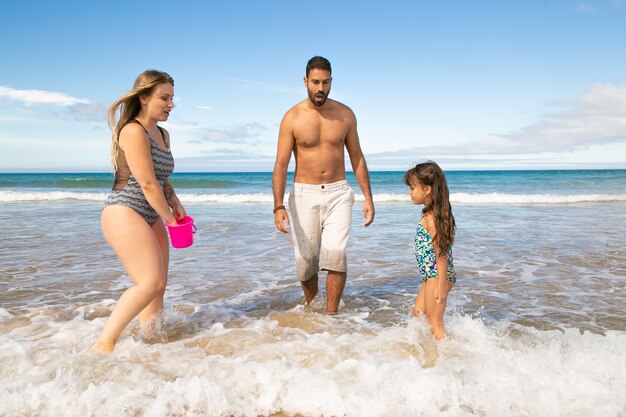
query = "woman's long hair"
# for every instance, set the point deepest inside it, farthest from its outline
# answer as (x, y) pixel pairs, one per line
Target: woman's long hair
(127, 107)
(429, 173)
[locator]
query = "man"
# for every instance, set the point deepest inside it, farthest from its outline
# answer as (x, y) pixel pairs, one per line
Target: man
(316, 130)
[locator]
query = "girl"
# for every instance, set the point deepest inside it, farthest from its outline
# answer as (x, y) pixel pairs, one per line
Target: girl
(141, 199)
(433, 242)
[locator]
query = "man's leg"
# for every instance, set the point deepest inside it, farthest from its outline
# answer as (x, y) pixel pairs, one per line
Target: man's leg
(335, 282)
(336, 232)
(310, 288)
(306, 234)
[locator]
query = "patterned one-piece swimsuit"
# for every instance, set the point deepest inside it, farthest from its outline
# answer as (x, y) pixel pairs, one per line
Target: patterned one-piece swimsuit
(426, 257)
(131, 195)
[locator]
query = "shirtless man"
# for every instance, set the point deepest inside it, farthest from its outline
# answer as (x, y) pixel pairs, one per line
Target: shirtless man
(316, 130)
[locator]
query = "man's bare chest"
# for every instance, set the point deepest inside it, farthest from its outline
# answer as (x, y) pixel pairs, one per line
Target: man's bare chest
(315, 133)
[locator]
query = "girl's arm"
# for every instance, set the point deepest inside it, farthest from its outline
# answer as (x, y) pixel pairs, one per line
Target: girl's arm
(442, 289)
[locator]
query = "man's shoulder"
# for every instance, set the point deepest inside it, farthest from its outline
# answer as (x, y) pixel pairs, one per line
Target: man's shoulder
(296, 110)
(338, 104)
(339, 107)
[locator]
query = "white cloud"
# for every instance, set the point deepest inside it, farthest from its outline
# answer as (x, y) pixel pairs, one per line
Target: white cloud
(5, 118)
(226, 160)
(595, 118)
(40, 97)
(586, 9)
(251, 85)
(204, 107)
(238, 133)
(89, 111)
(181, 127)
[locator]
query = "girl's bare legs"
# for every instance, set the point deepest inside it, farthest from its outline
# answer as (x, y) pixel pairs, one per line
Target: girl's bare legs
(434, 311)
(138, 247)
(419, 307)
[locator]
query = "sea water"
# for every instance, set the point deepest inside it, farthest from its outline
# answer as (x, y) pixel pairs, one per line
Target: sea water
(536, 321)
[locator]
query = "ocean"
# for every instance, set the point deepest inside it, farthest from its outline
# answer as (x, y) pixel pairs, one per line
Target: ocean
(536, 321)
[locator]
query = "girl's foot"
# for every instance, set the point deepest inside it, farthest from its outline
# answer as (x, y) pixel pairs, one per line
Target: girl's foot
(417, 312)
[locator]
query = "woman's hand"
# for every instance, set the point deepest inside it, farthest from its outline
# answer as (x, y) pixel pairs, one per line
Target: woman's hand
(179, 211)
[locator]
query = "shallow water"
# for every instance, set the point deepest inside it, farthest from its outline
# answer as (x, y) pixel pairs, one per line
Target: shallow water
(537, 310)
(536, 321)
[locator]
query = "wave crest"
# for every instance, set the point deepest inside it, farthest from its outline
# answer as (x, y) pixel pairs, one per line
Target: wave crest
(266, 198)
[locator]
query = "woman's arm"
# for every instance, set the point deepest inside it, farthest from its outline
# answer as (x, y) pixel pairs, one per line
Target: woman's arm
(172, 200)
(137, 151)
(168, 188)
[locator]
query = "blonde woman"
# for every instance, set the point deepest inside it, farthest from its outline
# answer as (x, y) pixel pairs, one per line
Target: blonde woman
(141, 199)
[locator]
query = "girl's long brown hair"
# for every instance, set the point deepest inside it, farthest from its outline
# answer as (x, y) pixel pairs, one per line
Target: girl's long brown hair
(429, 173)
(128, 106)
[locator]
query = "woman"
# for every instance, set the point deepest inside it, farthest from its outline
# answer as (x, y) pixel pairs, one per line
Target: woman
(141, 196)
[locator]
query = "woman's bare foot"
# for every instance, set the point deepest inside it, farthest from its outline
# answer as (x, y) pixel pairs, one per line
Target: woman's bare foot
(103, 347)
(440, 335)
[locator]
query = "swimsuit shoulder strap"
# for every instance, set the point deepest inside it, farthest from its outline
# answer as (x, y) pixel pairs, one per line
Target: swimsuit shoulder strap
(139, 123)
(146, 130)
(167, 144)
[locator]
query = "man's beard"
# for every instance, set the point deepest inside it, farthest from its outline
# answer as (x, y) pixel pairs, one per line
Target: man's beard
(320, 102)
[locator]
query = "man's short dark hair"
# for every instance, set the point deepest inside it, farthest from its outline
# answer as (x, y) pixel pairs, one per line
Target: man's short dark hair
(318, 62)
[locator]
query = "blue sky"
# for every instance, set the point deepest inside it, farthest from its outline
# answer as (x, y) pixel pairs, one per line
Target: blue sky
(470, 84)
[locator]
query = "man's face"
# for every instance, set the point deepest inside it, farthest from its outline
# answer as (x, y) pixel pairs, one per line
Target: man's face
(318, 86)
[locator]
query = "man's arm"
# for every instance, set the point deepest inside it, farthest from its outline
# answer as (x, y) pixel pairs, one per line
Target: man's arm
(279, 176)
(359, 166)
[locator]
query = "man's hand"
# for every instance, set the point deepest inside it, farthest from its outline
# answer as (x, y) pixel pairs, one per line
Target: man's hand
(368, 212)
(281, 220)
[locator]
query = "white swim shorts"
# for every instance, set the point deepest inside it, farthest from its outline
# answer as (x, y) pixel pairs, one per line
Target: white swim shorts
(321, 218)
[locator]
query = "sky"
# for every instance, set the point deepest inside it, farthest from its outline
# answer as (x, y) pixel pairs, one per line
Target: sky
(469, 84)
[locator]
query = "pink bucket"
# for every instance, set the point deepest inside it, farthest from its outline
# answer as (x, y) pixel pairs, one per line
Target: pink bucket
(181, 235)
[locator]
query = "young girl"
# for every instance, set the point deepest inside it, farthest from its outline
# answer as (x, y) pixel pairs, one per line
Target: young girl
(433, 242)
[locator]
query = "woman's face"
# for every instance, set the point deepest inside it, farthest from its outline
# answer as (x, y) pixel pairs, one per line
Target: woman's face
(159, 104)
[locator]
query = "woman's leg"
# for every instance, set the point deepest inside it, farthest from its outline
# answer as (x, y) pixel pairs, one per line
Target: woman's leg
(434, 311)
(135, 243)
(156, 305)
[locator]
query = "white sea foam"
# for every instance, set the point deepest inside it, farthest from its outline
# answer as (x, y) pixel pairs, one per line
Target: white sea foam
(18, 196)
(298, 363)
(499, 198)
(5, 314)
(456, 198)
(238, 341)
(227, 198)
